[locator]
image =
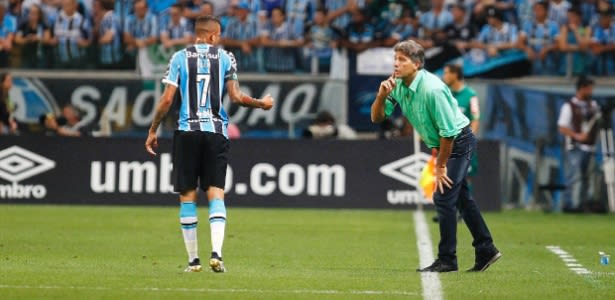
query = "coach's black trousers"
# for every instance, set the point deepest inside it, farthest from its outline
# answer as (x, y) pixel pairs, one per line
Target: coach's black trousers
(458, 197)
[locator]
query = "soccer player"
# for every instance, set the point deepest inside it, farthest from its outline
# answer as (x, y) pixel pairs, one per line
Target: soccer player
(431, 109)
(200, 144)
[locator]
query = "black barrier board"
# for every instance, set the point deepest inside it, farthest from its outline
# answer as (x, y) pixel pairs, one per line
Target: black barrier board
(262, 173)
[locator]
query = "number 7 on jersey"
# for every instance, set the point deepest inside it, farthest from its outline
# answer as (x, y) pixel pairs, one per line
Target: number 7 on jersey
(203, 79)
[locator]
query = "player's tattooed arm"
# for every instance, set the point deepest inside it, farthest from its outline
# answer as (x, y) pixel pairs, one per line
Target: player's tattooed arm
(238, 97)
(159, 115)
(161, 110)
(163, 107)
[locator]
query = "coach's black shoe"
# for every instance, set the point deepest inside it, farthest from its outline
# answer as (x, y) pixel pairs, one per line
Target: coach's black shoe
(439, 267)
(483, 262)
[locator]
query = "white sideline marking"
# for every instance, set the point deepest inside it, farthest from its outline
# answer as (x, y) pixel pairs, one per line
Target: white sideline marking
(574, 265)
(432, 288)
(569, 260)
(208, 290)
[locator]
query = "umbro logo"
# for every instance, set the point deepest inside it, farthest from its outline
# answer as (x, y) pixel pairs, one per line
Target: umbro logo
(407, 169)
(17, 164)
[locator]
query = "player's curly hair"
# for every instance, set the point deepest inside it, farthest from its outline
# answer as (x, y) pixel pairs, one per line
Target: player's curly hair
(413, 50)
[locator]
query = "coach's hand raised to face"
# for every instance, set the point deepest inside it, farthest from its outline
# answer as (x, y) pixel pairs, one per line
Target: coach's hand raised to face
(386, 87)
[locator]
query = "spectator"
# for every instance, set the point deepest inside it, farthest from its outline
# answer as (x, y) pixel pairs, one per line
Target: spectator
(574, 41)
(460, 32)
(436, 18)
(73, 119)
(51, 9)
(454, 40)
(32, 36)
(539, 40)
(481, 7)
(109, 35)
(298, 13)
(359, 33)
(54, 126)
(588, 11)
(387, 14)
(177, 34)
(16, 9)
(72, 35)
(339, 12)
(8, 27)
(603, 44)
(478, 15)
(407, 26)
(122, 9)
(324, 127)
(227, 16)
(507, 7)
(578, 123)
(220, 7)
(280, 44)
(558, 11)
(197, 8)
(394, 128)
(320, 40)
(497, 35)
(525, 10)
(268, 6)
(7, 121)
(241, 37)
(140, 30)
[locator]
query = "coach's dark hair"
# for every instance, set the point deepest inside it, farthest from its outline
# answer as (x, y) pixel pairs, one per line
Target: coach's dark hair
(455, 69)
(413, 50)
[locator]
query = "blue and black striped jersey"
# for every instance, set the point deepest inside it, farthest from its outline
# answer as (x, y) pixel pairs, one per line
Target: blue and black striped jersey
(200, 72)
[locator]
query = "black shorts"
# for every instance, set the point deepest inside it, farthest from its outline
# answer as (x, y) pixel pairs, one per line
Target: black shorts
(199, 155)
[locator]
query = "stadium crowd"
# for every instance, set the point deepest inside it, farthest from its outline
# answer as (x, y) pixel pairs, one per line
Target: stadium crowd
(293, 35)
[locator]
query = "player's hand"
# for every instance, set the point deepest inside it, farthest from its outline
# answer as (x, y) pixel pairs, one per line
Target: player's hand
(387, 86)
(441, 179)
(151, 143)
(267, 102)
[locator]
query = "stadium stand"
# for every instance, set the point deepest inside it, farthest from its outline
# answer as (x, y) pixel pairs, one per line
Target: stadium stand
(556, 37)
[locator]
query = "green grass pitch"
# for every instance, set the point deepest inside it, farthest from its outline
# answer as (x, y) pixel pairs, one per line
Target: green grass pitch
(100, 252)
